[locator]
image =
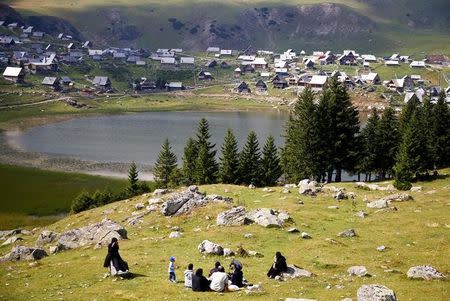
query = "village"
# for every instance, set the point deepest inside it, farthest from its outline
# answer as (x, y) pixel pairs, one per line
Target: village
(35, 63)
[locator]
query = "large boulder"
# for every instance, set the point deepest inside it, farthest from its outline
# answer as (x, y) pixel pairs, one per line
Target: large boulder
(160, 192)
(347, 233)
(24, 253)
(46, 237)
(294, 271)
(378, 204)
(375, 292)
(208, 247)
(398, 197)
(308, 187)
(99, 234)
(236, 216)
(426, 272)
(373, 187)
(4, 234)
(358, 270)
(265, 217)
(12, 240)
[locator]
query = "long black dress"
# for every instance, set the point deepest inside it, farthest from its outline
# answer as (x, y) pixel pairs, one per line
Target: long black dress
(237, 278)
(113, 257)
(278, 267)
(200, 283)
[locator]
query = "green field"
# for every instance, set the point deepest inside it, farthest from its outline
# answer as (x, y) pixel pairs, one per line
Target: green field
(33, 197)
(416, 234)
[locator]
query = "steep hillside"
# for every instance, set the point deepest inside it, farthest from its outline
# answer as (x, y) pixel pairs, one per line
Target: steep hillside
(377, 25)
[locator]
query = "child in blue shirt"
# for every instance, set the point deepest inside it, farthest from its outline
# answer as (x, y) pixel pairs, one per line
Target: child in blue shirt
(171, 270)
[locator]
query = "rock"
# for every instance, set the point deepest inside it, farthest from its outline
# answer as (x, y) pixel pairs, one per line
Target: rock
(308, 187)
(175, 234)
(293, 230)
(340, 195)
(265, 217)
(283, 216)
(155, 201)
(305, 235)
(294, 271)
(351, 195)
(362, 185)
(208, 247)
(236, 216)
(286, 190)
(375, 292)
(99, 234)
(361, 214)
(416, 189)
(151, 208)
(254, 289)
(378, 204)
(267, 189)
(108, 211)
(333, 207)
(347, 233)
(53, 249)
(299, 299)
(135, 218)
(46, 237)
(11, 240)
(251, 186)
(248, 235)
(7, 233)
(228, 252)
(139, 206)
(398, 197)
(254, 254)
(425, 272)
(24, 253)
(288, 186)
(347, 299)
(358, 270)
(381, 248)
(160, 192)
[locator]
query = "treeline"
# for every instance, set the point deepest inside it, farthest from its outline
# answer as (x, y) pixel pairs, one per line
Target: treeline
(323, 138)
(86, 200)
(199, 164)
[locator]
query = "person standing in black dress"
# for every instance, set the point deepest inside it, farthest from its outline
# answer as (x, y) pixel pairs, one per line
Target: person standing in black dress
(113, 261)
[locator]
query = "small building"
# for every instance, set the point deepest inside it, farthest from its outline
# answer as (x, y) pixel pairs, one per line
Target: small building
(419, 94)
(279, 82)
(146, 84)
(204, 75)
(38, 34)
(102, 83)
(119, 55)
(318, 82)
(247, 68)
(392, 63)
(237, 72)
(65, 80)
(211, 64)
(417, 64)
(369, 58)
(261, 86)
(174, 86)
(14, 74)
(348, 58)
(309, 63)
(187, 61)
(259, 63)
(265, 74)
(51, 82)
(213, 49)
(168, 61)
(224, 65)
(226, 52)
(242, 88)
(371, 78)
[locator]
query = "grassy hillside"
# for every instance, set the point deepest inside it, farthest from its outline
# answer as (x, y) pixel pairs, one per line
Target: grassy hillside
(376, 25)
(417, 233)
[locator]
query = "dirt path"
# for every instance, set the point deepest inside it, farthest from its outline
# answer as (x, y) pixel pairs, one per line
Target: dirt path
(34, 103)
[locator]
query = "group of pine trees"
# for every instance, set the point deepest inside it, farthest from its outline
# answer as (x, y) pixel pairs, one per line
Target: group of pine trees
(199, 164)
(323, 138)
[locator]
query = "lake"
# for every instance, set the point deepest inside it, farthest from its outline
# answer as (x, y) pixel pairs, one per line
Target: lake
(138, 137)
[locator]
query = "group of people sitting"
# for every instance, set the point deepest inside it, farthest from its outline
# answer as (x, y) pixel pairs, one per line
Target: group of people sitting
(217, 280)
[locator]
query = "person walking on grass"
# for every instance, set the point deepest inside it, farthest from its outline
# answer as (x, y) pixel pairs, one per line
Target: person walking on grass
(171, 270)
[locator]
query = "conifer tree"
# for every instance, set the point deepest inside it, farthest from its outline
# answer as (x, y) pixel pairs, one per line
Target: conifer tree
(190, 154)
(250, 160)
(389, 139)
(270, 163)
(407, 112)
(165, 165)
(229, 161)
(206, 165)
(133, 178)
(370, 150)
(427, 122)
(441, 130)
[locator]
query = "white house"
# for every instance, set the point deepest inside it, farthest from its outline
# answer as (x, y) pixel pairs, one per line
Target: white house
(417, 64)
(392, 63)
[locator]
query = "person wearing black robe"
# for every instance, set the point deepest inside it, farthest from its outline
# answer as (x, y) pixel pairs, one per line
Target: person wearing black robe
(279, 266)
(237, 276)
(113, 261)
(199, 282)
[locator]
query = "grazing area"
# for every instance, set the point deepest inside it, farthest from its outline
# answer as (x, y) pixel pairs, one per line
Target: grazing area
(388, 242)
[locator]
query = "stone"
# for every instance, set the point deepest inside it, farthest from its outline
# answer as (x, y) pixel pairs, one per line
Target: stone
(160, 192)
(347, 233)
(228, 252)
(267, 189)
(11, 240)
(286, 190)
(99, 234)
(288, 186)
(340, 195)
(265, 217)
(398, 197)
(378, 204)
(283, 216)
(375, 292)
(175, 234)
(251, 186)
(305, 235)
(299, 299)
(151, 208)
(155, 201)
(308, 187)
(135, 218)
(294, 271)
(108, 211)
(293, 230)
(254, 289)
(208, 247)
(46, 237)
(362, 185)
(7, 233)
(53, 249)
(24, 253)
(381, 248)
(236, 216)
(333, 207)
(254, 253)
(139, 206)
(358, 270)
(425, 272)
(248, 235)
(416, 189)
(361, 214)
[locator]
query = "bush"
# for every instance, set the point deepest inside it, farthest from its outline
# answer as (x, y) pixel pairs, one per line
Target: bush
(82, 202)
(402, 185)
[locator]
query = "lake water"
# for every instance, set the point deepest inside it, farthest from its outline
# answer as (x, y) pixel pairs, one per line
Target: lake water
(138, 137)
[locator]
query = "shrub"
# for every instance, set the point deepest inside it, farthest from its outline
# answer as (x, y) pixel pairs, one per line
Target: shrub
(402, 185)
(82, 202)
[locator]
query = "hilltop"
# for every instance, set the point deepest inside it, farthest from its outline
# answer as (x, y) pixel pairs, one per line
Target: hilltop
(414, 232)
(376, 25)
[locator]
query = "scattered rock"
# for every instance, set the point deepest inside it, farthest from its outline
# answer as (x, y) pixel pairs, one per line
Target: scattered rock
(151, 208)
(8, 233)
(251, 186)
(431, 192)
(305, 235)
(361, 214)
(286, 190)
(375, 292)
(254, 289)
(248, 235)
(378, 204)
(362, 185)
(425, 272)
(160, 192)
(228, 252)
(288, 186)
(24, 253)
(175, 234)
(381, 248)
(398, 197)
(308, 187)
(333, 207)
(11, 240)
(299, 299)
(341, 195)
(53, 249)
(208, 247)
(358, 270)
(155, 201)
(347, 233)
(293, 230)
(46, 237)
(139, 206)
(416, 189)
(254, 254)
(266, 189)
(265, 217)
(234, 217)
(294, 271)
(108, 211)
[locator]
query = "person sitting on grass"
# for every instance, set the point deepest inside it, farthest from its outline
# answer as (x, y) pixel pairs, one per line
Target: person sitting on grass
(219, 280)
(199, 282)
(237, 276)
(113, 261)
(278, 267)
(215, 269)
(171, 270)
(188, 275)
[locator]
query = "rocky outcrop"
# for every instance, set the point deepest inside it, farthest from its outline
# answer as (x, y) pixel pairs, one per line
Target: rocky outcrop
(347, 233)
(24, 253)
(361, 214)
(425, 272)
(46, 237)
(234, 217)
(378, 204)
(294, 271)
(375, 292)
(12, 240)
(266, 217)
(208, 247)
(398, 197)
(358, 270)
(374, 187)
(308, 187)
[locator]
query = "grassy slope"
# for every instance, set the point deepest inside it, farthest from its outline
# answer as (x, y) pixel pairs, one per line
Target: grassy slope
(418, 233)
(391, 34)
(30, 191)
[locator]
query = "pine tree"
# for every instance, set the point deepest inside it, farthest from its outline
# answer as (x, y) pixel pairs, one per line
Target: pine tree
(370, 146)
(270, 163)
(249, 161)
(206, 165)
(133, 178)
(389, 139)
(427, 122)
(189, 162)
(165, 165)
(407, 112)
(229, 162)
(441, 130)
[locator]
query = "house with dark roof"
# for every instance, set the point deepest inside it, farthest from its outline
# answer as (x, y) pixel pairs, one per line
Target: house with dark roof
(51, 82)
(65, 80)
(204, 75)
(102, 83)
(242, 88)
(174, 86)
(279, 82)
(211, 64)
(261, 86)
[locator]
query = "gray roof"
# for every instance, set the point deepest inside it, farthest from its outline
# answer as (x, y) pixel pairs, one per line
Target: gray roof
(100, 80)
(49, 80)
